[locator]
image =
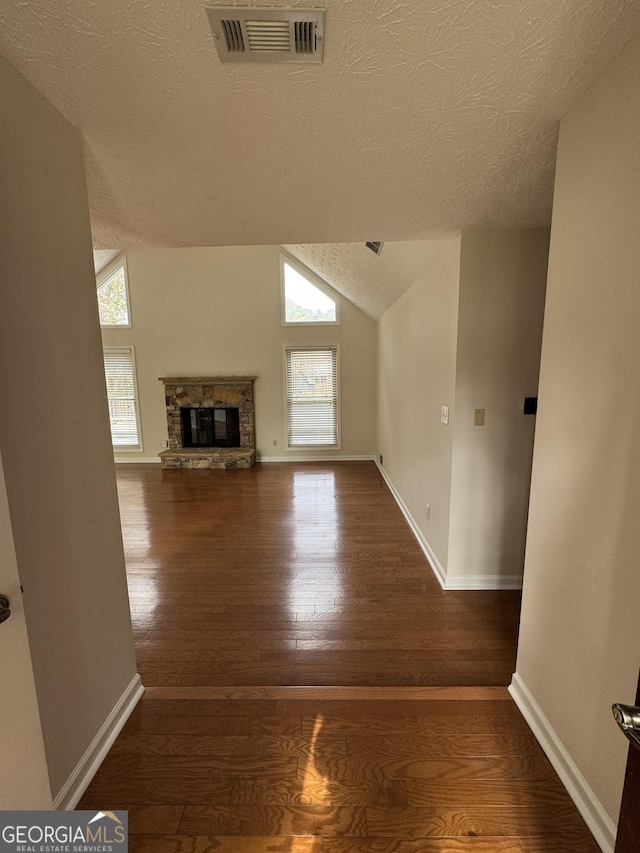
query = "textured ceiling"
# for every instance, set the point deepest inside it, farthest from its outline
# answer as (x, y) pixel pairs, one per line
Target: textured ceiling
(372, 282)
(426, 115)
(103, 257)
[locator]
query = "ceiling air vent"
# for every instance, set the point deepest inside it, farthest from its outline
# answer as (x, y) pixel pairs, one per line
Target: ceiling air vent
(233, 36)
(375, 247)
(267, 35)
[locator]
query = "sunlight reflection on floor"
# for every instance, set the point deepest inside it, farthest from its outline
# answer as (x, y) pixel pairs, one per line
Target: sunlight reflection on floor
(315, 527)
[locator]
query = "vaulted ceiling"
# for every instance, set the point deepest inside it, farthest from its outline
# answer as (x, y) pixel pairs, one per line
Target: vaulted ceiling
(103, 257)
(372, 282)
(426, 115)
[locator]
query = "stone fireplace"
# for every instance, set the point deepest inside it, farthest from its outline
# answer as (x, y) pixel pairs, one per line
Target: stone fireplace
(210, 422)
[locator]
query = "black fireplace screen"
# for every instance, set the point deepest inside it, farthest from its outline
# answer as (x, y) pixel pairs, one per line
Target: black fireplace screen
(210, 427)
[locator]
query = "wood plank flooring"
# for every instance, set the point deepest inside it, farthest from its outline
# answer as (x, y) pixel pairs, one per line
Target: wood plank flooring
(296, 575)
(372, 775)
(247, 583)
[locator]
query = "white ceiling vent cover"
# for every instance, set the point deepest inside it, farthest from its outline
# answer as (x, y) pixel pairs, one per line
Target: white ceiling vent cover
(267, 35)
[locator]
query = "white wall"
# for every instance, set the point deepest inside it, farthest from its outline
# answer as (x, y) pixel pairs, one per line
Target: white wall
(579, 644)
(466, 335)
(59, 478)
(216, 311)
(501, 305)
(417, 365)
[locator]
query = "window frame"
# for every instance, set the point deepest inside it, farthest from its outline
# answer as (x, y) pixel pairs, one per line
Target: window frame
(126, 448)
(286, 258)
(335, 347)
(103, 278)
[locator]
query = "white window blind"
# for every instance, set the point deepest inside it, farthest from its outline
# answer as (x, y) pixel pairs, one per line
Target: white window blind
(312, 396)
(120, 373)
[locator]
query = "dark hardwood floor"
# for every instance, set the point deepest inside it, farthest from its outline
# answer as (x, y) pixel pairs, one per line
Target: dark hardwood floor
(296, 770)
(296, 575)
(244, 582)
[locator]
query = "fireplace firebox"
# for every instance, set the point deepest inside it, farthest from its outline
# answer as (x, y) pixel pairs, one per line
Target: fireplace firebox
(210, 427)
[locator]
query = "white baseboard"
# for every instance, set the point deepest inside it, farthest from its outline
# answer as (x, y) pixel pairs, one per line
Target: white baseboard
(484, 582)
(477, 582)
(315, 459)
(438, 570)
(598, 821)
(88, 766)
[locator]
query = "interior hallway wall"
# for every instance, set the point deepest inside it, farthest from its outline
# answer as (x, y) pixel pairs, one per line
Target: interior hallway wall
(466, 335)
(416, 376)
(503, 273)
(54, 429)
(579, 644)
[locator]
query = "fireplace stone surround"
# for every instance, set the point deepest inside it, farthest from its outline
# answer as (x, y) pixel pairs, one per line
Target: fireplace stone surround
(209, 392)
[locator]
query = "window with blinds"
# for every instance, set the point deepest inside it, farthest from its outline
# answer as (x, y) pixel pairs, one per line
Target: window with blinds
(120, 373)
(311, 377)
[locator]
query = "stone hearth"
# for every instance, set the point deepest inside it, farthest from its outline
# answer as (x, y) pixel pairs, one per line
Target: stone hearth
(218, 392)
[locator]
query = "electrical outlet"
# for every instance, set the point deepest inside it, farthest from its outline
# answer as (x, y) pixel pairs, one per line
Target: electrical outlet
(427, 512)
(444, 415)
(164, 443)
(275, 442)
(381, 462)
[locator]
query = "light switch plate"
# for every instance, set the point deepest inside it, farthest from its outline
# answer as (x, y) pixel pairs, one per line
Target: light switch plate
(444, 417)
(478, 417)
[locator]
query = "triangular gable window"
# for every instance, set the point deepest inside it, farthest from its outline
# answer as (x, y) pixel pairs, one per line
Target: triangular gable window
(113, 299)
(306, 299)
